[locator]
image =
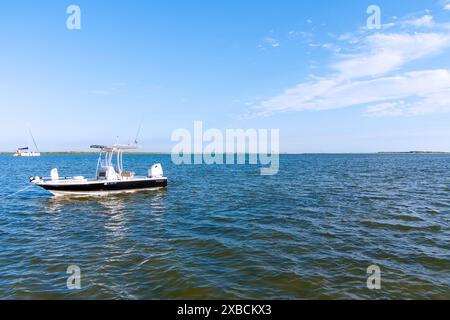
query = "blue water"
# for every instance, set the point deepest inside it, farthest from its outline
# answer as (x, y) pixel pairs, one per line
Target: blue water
(224, 232)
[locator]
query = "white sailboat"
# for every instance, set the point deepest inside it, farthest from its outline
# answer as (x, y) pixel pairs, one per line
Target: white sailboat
(25, 151)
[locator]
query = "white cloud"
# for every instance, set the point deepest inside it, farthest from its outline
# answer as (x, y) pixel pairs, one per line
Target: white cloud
(427, 91)
(382, 94)
(425, 21)
(386, 109)
(388, 52)
(446, 4)
(272, 42)
(363, 79)
(402, 25)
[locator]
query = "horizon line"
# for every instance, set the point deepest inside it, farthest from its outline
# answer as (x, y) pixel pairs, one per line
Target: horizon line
(240, 153)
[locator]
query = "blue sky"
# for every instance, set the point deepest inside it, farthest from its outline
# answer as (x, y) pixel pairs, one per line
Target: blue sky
(309, 68)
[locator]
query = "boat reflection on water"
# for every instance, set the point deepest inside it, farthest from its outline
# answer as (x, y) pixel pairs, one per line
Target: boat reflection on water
(114, 209)
(117, 217)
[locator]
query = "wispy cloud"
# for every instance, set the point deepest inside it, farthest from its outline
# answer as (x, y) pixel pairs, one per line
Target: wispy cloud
(374, 76)
(424, 21)
(270, 41)
(113, 89)
(383, 53)
(333, 93)
(446, 4)
(302, 35)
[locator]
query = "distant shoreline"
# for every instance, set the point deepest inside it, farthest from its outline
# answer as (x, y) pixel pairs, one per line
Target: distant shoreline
(416, 152)
(85, 152)
(282, 153)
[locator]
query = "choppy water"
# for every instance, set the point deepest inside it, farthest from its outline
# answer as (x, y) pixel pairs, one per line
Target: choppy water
(227, 232)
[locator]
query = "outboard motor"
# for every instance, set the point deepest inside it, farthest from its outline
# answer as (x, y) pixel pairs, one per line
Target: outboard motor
(155, 171)
(35, 179)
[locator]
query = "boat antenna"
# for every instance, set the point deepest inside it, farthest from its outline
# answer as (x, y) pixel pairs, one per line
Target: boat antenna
(34, 142)
(137, 133)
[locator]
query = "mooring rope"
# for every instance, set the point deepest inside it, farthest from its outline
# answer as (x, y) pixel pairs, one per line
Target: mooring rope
(21, 190)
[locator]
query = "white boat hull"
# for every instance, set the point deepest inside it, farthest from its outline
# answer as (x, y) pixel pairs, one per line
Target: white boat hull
(27, 154)
(97, 193)
(99, 187)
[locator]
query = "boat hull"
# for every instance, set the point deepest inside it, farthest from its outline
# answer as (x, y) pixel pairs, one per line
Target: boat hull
(103, 187)
(27, 154)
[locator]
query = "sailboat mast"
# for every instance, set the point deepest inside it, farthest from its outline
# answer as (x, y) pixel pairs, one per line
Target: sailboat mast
(34, 142)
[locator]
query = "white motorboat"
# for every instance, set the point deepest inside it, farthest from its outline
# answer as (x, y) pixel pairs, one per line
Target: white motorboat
(108, 178)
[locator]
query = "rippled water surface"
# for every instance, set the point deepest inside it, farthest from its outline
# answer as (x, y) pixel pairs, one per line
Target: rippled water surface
(226, 232)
